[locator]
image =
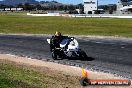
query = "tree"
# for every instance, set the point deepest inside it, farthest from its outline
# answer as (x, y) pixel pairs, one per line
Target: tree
(81, 8)
(38, 7)
(28, 7)
(3, 6)
(61, 7)
(20, 6)
(71, 7)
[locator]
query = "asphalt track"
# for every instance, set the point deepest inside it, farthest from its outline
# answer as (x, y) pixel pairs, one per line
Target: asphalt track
(107, 55)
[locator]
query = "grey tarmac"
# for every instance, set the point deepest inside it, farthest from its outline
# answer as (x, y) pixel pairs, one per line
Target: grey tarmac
(107, 55)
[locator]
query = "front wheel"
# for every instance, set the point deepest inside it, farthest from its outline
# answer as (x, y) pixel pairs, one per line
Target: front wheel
(82, 54)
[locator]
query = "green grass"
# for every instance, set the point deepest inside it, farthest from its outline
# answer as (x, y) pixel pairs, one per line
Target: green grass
(14, 76)
(78, 26)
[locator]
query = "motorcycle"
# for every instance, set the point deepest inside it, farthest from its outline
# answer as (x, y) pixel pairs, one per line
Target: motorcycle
(69, 48)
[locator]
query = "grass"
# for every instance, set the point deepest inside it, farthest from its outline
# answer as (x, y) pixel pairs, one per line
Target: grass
(78, 26)
(15, 76)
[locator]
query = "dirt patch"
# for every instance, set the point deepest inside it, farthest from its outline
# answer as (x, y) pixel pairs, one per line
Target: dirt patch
(69, 75)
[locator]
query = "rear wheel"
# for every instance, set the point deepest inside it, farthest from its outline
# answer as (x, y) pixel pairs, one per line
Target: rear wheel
(58, 54)
(54, 55)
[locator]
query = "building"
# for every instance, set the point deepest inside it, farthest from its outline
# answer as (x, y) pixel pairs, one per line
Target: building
(124, 7)
(12, 9)
(90, 6)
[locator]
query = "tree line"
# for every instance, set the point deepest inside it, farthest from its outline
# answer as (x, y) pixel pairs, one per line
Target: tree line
(32, 7)
(53, 7)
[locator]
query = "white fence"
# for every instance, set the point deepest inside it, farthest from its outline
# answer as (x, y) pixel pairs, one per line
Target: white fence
(102, 15)
(85, 15)
(50, 14)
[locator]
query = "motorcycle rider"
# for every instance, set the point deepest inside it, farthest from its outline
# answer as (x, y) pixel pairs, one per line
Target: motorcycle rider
(55, 41)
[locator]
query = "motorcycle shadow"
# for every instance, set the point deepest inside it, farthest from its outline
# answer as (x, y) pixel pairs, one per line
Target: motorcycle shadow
(82, 59)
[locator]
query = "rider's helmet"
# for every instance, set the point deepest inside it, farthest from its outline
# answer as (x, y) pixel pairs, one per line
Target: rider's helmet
(58, 34)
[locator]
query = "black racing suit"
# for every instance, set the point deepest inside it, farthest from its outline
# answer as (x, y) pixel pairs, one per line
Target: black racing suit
(55, 42)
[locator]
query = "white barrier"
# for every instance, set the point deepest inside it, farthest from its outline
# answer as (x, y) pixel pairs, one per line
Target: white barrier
(82, 16)
(49, 14)
(102, 16)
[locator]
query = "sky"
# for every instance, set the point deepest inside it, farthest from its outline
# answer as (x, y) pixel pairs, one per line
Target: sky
(101, 2)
